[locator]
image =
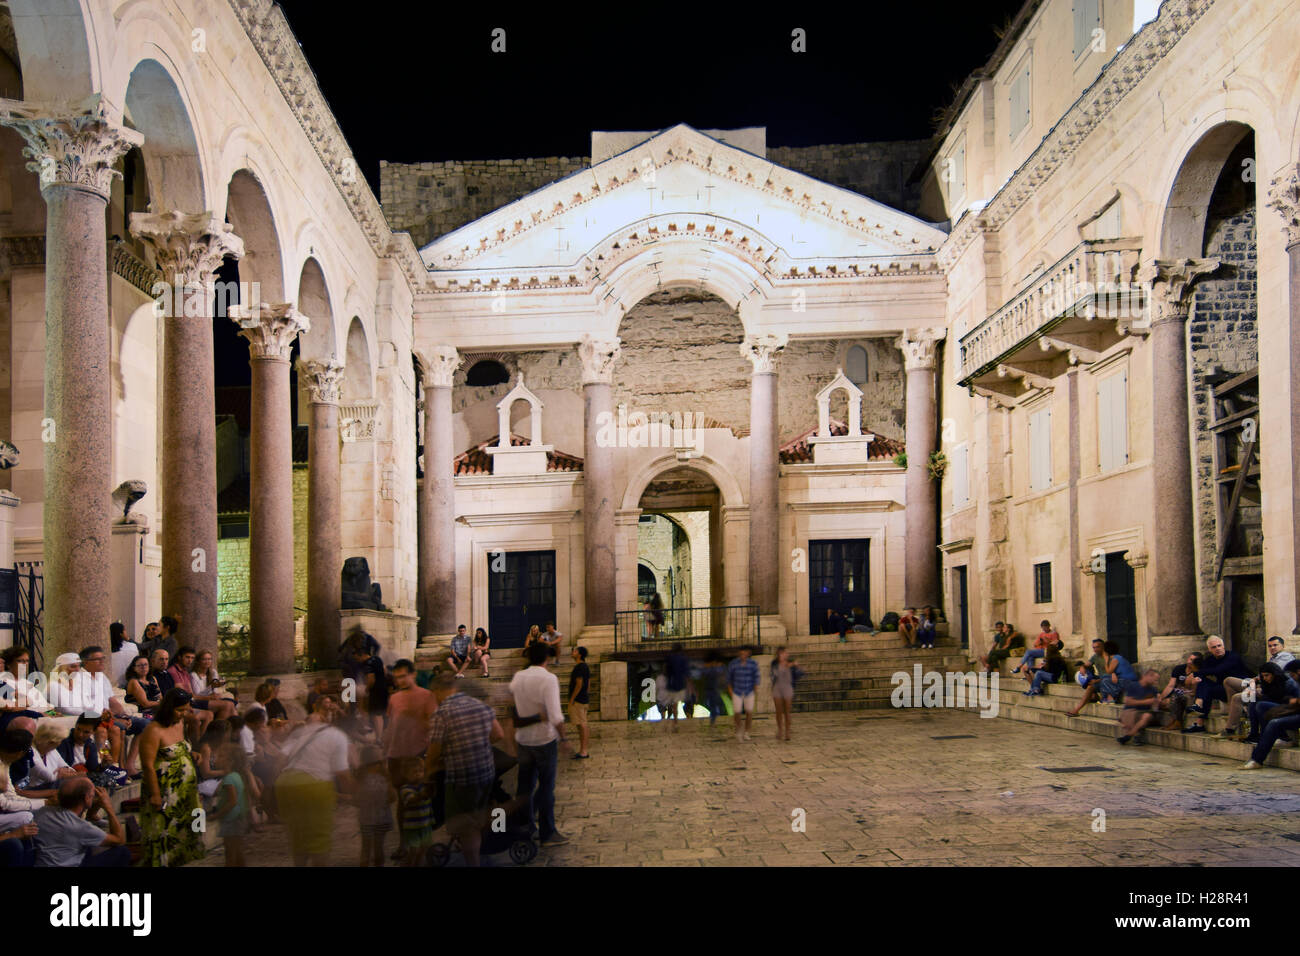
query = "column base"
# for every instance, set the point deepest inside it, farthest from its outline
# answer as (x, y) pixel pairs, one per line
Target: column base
(1172, 647)
(613, 689)
(598, 639)
(772, 631)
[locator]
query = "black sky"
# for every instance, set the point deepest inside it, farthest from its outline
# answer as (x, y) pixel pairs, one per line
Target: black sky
(419, 81)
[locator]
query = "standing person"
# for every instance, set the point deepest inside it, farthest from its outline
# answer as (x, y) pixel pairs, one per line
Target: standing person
(171, 786)
(459, 657)
(677, 672)
(460, 743)
(579, 686)
(373, 677)
(406, 730)
(122, 652)
(742, 680)
(539, 732)
(480, 652)
(375, 797)
(414, 809)
(232, 807)
(715, 677)
(785, 674)
(65, 835)
(316, 768)
(654, 615)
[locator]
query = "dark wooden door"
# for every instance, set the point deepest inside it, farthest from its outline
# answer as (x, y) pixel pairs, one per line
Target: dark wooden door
(837, 579)
(520, 595)
(959, 599)
(1121, 605)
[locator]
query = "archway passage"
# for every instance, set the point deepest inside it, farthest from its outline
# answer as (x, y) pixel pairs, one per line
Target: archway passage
(679, 555)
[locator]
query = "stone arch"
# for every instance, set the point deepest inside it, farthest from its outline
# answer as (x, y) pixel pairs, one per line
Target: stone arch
(249, 211)
(318, 342)
(59, 63)
(1182, 226)
(727, 485)
(171, 154)
(358, 377)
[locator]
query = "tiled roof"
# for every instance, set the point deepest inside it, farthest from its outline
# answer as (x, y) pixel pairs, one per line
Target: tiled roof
(798, 451)
(234, 498)
(477, 461)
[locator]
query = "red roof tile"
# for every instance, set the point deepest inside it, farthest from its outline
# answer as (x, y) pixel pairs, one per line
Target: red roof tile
(476, 461)
(798, 451)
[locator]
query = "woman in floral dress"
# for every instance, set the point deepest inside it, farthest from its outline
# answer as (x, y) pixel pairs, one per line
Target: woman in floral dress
(171, 787)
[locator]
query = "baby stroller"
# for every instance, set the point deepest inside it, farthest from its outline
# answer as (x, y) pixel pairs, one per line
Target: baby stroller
(507, 829)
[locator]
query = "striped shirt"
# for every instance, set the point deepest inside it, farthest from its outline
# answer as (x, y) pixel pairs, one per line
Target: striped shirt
(742, 676)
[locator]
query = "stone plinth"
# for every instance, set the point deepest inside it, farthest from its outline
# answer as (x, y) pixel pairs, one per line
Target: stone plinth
(519, 459)
(763, 696)
(130, 594)
(9, 503)
(395, 631)
(613, 690)
(841, 450)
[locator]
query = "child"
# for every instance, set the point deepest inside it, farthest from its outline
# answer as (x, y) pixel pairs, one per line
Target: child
(416, 812)
(232, 801)
(374, 798)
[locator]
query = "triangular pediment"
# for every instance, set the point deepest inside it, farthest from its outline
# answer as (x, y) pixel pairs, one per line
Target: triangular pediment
(680, 183)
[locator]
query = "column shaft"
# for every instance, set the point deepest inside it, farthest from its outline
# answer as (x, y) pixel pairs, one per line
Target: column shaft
(598, 506)
(438, 540)
(1293, 260)
(921, 577)
(324, 539)
(271, 519)
(764, 482)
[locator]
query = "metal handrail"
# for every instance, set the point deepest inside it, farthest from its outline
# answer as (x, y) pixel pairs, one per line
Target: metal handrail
(712, 625)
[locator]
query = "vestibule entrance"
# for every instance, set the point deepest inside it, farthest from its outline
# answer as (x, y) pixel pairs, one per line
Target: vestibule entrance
(521, 593)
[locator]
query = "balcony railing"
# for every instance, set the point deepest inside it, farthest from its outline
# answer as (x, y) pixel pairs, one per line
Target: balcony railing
(1095, 279)
(715, 626)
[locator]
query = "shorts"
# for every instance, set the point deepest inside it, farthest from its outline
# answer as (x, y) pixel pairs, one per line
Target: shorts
(463, 799)
(742, 702)
(674, 696)
(780, 694)
(578, 714)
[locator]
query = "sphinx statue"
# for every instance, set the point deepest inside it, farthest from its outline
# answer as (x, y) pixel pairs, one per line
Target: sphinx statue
(358, 590)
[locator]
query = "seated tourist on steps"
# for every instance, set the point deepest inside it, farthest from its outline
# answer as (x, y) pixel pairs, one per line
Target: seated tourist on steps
(1004, 642)
(1237, 699)
(1045, 639)
(1113, 669)
(1180, 692)
(1273, 689)
(1222, 673)
(1141, 706)
(1274, 724)
(1049, 671)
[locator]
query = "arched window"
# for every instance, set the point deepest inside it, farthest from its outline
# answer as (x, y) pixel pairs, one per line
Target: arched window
(855, 365)
(487, 373)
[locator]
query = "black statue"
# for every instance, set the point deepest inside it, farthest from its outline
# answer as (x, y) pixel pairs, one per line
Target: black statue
(358, 591)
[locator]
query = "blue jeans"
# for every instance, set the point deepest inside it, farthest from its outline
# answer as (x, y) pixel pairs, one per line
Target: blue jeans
(1041, 679)
(1030, 655)
(1258, 713)
(537, 768)
(1272, 731)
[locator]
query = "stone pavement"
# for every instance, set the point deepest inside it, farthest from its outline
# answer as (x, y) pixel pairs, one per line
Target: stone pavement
(877, 789)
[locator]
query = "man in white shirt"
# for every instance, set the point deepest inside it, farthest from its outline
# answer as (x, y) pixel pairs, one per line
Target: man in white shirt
(539, 723)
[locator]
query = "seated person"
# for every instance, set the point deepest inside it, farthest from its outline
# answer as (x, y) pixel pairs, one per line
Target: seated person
(1274, 688)
(66, 837)
(96, 694)
(553, 639)
(459, 658)
(78, 748)
(1180, 692)
(1112, 670)
(1046, 638)
(210, 687)
(1141, 706)
(1004, 643)
(319, 688)
(65, 685)
(15, 809)
(480, 652)
(1222, 672)
(49, 767)
(926, 632)
(142, 686)
(907, 625)
(1049, 671)
(19, 697)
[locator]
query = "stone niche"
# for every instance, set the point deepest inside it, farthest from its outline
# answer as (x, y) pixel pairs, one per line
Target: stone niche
(851, 448)
(530, 459)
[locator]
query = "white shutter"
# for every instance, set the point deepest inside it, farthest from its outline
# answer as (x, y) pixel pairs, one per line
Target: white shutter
(1040, 450)
(960, 477)
(1112, 422)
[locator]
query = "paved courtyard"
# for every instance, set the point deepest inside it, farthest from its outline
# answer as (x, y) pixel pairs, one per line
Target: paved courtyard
(878, 789)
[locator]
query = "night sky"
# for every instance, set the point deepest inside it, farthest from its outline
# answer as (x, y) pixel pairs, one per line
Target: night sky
(419, 81)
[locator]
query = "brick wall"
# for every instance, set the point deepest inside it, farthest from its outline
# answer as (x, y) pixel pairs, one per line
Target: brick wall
(432, 199)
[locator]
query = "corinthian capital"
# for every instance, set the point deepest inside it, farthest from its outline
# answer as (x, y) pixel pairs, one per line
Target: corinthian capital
(1284, 196)
(919, 347)
(324, 380)
(762, 350)
(269, 328)
(598, 358)
(1171, 282)
(440, 364)
(188, 247)
(70, 146)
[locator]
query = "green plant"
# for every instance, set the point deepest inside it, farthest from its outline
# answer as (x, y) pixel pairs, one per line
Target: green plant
(901, 459)
(938, 465)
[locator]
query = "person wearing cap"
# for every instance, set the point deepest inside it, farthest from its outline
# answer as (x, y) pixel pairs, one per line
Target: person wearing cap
(65, 684)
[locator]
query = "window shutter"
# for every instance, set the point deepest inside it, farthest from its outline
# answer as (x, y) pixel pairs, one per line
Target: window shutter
(1105, 425)
(1119, 419)
(1040, 450)
(960, 477)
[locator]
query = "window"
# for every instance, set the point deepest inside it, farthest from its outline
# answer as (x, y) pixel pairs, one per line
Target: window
(959, 467)
(1112, 422)
(1019, 100)
(1040, 449)
(487, 373)
(1043, 583)
(855, 365)
(1087, 17)
(953, 173)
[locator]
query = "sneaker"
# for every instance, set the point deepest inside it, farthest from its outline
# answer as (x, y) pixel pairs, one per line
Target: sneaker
(1124, 740)
(745, 737)
(555, 839)
(1138, 742)
(1284, 743)
(1252, 765)
(1194, 729)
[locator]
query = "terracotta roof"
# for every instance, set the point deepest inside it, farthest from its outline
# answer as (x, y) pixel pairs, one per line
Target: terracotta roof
(797, 451)
(477, 461)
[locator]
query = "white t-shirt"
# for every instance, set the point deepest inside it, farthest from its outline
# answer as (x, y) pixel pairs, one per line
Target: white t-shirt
(248, 741)
(23, 692)
(120, 661)
(86, 692)
(45, 770)
(317, 750)
(536, 690)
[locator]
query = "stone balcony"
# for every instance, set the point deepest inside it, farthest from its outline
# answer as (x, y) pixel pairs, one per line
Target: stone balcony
(1069, 313)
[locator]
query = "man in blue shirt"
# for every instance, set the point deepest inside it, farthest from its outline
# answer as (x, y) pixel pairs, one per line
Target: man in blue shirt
(742, 678)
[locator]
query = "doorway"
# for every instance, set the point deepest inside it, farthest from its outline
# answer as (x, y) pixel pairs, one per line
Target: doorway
(520, 594)
(959, 603)
(1121, 605)
(837, 580)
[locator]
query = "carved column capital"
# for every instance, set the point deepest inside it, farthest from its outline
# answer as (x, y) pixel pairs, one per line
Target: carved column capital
(919, 347)
(188, 247)
(324, 380)
(269, 328)
(762, 350)
(1284, 196)
(74, 147)
(1171, 282)
(598, 358)
(440, 364)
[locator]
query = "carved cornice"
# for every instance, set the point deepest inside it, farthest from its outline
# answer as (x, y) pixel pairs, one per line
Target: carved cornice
(919, 347)
(19, 252)
(188, 248)
(598, 357)
(1284, 197)
(75, 147)
(132, 268)
(1171, 281)
(269, 328)
(324, 380)
(440, 364)
(1128, 68)
(762, 350)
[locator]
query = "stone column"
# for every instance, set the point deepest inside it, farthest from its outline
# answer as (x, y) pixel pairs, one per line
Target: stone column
(598, 504)
(1174, 613)
(1284, 197)
(764, 473)
(270, 330)
(188, 249)
(324, 382)
(921, 574)
(74, 154)
(437, 513)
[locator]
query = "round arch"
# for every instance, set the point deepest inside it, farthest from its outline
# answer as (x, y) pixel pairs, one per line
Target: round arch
(1182, 225)
(155, 107)
(728, 487)
(318, 343)
(58, 61)
(249, 211)
(358, 375)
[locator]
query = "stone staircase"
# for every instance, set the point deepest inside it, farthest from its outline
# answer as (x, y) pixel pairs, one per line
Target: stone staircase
(857, 674)
(509, 661)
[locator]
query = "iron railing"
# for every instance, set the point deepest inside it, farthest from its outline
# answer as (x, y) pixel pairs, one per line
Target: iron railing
(715, 626)
(29, 627)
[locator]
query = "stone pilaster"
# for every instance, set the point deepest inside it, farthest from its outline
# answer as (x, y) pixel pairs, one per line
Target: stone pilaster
(437, 513)
(188, 249)
(1284, 197)
(598, 505)
(921, 574)
(764, 473)
(74, 152)
(1171, 281)
(324, 381)
(270, 331)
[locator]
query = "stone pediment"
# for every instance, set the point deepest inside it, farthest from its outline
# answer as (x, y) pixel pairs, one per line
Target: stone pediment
(682, 185)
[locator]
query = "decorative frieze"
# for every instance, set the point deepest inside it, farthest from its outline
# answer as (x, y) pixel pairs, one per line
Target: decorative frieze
(75, 147)
(22, 252)
(127, 265)
(358, 420)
